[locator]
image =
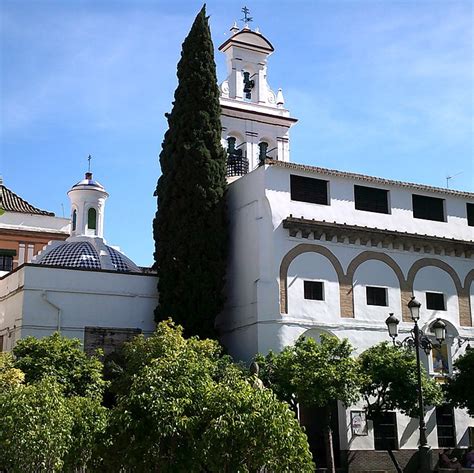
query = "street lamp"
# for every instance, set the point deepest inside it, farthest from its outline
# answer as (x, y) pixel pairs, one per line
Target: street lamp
(418, 340)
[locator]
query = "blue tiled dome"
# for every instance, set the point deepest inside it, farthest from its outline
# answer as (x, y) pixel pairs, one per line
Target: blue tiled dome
(71, 255)
(85, 255)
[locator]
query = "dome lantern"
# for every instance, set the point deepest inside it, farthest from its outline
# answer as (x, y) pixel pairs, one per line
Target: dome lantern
(87, 207)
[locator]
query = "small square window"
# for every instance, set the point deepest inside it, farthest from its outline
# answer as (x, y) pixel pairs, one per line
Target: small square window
(435, 301)
(376, 296)
(371, 199)
(428, 208)
(313, 290)
(470, 214)
(308, 189)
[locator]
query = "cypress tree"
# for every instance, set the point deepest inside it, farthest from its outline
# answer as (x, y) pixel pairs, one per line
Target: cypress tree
(190, 226)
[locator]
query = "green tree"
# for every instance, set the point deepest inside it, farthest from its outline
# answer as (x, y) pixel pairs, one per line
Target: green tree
(89, 422)
(35, 428)
(315, 375)
(60, 358)
(460, 388)
(190, 227)
(184, 407)
(10, 377)
(389, 381)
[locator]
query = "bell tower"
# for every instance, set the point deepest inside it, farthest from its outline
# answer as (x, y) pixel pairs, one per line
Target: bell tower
(255, 123)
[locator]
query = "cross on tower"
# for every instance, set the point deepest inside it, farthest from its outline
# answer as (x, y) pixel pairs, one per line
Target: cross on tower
(246, 19)
(89, 159)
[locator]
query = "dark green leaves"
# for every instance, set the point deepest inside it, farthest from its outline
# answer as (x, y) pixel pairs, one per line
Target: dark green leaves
(190, 227)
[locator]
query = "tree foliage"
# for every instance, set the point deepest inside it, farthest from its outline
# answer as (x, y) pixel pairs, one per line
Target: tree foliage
(35, 430)
(10, 377)
(389, 381)
(315, 375)
(460, 388)
(62, 359)
(190, 227)
(183, 407)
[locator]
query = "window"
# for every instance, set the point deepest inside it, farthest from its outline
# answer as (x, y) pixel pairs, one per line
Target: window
(371, 199)
(445, 426)
(92, 219)
(428, 208)
(307, 189)
(6, 263)
(313, 290)
(262, 152)
(470, 214)
(6, 259)
(385, 432)
(376, 296)
(74, 219)
(435, 301)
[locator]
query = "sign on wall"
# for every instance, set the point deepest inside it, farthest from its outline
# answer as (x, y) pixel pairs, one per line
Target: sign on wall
(359, 423)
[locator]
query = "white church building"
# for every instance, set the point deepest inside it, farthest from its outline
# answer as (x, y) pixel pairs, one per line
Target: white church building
(312, 251)
(81, 287)
(316, 250)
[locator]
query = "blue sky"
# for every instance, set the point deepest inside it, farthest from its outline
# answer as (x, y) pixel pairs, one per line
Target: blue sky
(384, 88)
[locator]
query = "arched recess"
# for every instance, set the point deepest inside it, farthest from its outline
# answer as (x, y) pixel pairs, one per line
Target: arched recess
(374, 255)
(463, 296)
(291, 255)
(315, 334)
(467, 292)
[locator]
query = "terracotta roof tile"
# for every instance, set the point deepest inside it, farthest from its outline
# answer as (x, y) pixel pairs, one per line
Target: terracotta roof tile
(11, 202)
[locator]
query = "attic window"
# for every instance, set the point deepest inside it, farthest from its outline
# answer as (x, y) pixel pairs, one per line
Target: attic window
(371, 199)
(470, 214)
(428, 208)
(307, 189)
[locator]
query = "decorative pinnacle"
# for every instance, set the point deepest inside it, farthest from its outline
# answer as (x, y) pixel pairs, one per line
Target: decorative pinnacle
(246, 19)
(89, 164)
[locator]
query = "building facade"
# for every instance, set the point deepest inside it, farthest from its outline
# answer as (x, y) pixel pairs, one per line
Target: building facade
(317, 251)
(81, 287)
(25, 230)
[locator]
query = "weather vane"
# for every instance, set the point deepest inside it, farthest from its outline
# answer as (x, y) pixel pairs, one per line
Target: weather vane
(89, 159)
(246, 19)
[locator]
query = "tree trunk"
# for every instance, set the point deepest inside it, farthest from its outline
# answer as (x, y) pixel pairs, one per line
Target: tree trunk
(330, 464)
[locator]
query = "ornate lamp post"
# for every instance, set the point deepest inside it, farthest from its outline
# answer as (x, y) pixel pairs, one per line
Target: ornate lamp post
(418, 340)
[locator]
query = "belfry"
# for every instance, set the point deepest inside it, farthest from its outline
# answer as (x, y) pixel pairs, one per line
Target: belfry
(255, 123)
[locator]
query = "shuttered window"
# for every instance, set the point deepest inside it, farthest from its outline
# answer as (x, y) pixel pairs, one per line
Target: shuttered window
(371, 199)
(307, 189)
(428, 208)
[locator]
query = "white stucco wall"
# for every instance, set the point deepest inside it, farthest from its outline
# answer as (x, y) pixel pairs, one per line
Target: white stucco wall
(259, 202)
(85, 298)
